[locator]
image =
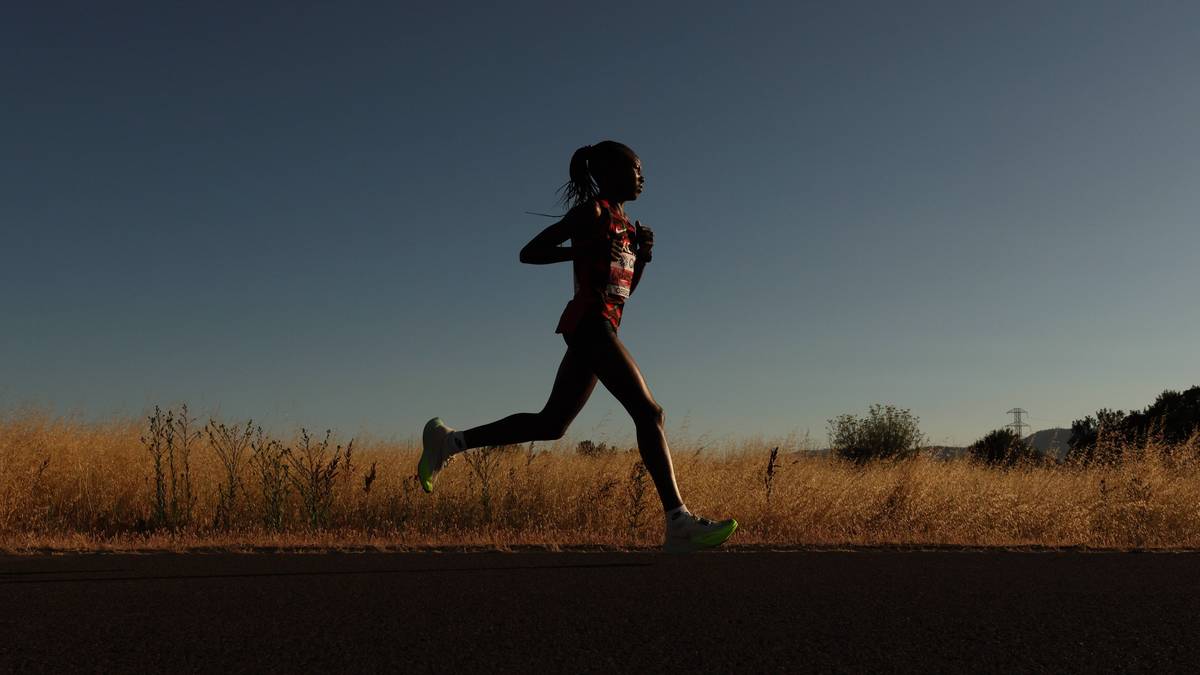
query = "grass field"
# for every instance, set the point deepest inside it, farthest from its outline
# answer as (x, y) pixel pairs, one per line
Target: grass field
(69, 485)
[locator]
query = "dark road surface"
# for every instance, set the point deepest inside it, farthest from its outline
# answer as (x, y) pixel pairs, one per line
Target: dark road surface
(875, 611)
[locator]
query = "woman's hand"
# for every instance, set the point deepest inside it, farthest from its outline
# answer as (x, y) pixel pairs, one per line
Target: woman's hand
(645, 241)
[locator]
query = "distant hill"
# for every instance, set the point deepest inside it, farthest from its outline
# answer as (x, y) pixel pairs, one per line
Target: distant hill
(1051, 442)
(946, 451)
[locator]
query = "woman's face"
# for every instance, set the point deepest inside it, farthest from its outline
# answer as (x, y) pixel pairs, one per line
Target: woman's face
(625, 182)
(639, 180)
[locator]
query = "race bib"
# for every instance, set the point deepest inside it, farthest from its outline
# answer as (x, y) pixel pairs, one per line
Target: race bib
(620, 274)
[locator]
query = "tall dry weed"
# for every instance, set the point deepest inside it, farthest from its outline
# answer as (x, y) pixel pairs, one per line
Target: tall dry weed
(230, 445)
(269, 459)
(313, 470)
(170, 440)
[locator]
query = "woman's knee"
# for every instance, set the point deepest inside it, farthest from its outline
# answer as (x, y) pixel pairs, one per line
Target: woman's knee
(651, 413)
(552, 427)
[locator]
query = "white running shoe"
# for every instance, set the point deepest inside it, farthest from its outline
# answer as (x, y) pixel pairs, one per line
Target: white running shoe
(687, 532)
(433, 453)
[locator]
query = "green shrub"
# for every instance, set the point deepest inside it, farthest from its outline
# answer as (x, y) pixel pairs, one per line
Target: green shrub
(590, 449)
(1002, 447)
(885, 432)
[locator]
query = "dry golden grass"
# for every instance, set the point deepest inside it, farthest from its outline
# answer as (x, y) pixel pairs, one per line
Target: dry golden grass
(69, 485)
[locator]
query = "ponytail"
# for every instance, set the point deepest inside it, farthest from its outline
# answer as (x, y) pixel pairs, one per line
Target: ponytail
(581, 187)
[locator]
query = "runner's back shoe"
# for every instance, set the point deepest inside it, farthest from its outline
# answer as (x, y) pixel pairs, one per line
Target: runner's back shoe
(687, 532)
(433, 453)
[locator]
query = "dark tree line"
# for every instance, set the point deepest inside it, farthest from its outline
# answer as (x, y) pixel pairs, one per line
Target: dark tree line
(1172, 418)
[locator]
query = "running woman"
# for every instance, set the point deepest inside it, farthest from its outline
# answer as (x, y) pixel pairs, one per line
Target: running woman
(608, 255)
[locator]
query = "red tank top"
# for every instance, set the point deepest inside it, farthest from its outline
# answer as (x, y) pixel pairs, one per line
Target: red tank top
(602, 269)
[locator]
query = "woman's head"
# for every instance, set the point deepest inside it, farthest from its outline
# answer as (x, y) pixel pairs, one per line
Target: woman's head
(608, 168)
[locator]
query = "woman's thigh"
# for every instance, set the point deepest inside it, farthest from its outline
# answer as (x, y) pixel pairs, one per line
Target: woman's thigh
(615, 367)
(573, 386)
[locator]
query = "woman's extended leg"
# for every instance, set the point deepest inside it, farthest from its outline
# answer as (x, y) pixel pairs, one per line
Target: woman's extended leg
(620, 374)
(572, 387)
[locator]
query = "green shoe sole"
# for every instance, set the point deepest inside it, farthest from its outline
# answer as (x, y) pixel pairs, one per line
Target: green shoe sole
(717, 537)
(424, 472)
(710, 540)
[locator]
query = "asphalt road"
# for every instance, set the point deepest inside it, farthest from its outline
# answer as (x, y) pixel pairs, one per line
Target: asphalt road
(875, 611)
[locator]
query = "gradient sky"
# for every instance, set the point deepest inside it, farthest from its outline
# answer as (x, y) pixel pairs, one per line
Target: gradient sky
(310, 214)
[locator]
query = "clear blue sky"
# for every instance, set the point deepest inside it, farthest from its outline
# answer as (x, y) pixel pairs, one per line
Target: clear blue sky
(311, 214)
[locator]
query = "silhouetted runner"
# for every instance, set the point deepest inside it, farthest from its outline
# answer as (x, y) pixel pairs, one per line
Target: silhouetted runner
(608, 255)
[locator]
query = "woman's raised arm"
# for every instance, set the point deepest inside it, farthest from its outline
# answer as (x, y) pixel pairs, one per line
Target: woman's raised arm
(544, 248)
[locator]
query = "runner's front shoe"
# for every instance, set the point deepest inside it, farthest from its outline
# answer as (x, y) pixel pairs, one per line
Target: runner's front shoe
(433, 453)
(687, 532)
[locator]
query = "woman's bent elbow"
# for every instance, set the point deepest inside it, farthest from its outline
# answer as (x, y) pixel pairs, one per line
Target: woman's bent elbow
(533, 257)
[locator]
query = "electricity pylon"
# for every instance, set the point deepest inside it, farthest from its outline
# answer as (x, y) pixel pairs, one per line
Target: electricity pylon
(1018, 424)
